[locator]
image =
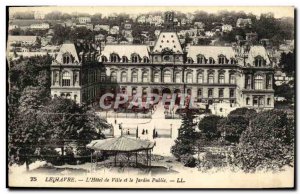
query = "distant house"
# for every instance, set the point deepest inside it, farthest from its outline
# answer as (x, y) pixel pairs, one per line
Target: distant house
(199, 25)
(209, 33)
(281, 78)
(114, 30)
(12, 26)
(127, 26)
(242, 23)
(84, 20)
(101, 27)
(251, 37)
(40, 26)
(141, 19)
(22, 40)
(99, 37)
(226, 28)
(110, 39)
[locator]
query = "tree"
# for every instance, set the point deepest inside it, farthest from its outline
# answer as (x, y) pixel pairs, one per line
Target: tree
(185, 142)
(208, 126)
(267, 143)
(286, 91)
(245, 112)
(287, 62)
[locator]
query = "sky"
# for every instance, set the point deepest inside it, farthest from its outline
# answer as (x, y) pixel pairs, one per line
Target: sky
(282, 11)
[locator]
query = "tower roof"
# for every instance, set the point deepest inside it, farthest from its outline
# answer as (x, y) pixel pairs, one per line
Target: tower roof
(168, 41)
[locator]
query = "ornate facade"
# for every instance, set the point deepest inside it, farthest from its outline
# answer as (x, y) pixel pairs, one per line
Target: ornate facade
(214, 74)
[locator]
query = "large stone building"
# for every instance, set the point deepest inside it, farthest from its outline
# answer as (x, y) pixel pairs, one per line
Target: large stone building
(214, 74)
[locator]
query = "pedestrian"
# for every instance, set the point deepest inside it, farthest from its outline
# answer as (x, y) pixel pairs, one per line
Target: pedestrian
(143, 132)
(147, 131)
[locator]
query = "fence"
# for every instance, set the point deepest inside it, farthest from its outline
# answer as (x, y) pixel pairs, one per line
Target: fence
(125, 115)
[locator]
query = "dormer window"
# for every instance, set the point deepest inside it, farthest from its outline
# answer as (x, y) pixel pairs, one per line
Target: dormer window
(190, 60)
(259, 61)
(232, 61)
(135, 58)
(103, 59)
(124, 59)
(114, 58)
(222, 59)
(211, 60)
(200, 59)
(146, 60)
(67, 58)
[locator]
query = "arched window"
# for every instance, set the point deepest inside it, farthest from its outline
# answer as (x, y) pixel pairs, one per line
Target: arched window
(200, 78)
(200, 60)
(190, 60)
(146, 60)
(113, 76)
(232, 79)
(114, 58)
(135, 58)
(199, 93)
(221, 78)
(189, 77)
(211, 60)
(124, 76)
(156, 77)
(75, 98)
(134, 77)
(145, 76)
(68, 96)
(103, 59)
(124, 59)
(222, 59)
(259, 61)
(210, 78)
(167, 76)
(66, 79)
(258, 82)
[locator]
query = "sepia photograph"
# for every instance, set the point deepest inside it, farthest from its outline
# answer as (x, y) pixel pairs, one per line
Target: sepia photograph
(169, 97)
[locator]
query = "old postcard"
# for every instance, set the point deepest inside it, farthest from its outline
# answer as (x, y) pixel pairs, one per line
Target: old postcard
(151, 97)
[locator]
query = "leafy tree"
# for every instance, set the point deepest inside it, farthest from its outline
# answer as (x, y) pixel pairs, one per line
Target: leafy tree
(286, 91)
(287, 62)
(185, 142)
(267, 143)
(208, 126)
(245, 112)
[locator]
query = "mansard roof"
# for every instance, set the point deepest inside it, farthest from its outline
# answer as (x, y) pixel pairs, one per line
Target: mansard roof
(126, 50)
(67, 48)
(210, 52)
(167, 41)
(257, 51)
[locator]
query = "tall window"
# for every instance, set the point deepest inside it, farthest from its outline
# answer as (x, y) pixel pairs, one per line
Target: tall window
(113, 76)
(200, 60)
(232, 61)
(211, 60)
(189, 77)
(134, 77)
(124, 76)
(66, 79)
(231, 93)
(200, 78)
(211, 78)
(167, 76)
(210, 93)
(222, 60)
(199, 93)
(135, 58)
(103, 76)
(232, 79)
(221, 93)
(156, 77)
(258, 82)
(248, 82)
(177, 77)
(221, 78)
(145, 76)
(268, 101)
(269, 82)
(247, 101)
